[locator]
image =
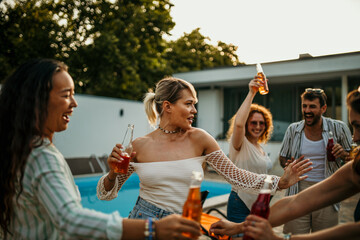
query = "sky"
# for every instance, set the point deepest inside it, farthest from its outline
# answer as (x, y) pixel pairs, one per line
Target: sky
(273, 30)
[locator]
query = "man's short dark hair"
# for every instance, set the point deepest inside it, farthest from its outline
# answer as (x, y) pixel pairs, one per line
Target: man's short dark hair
(312, 93)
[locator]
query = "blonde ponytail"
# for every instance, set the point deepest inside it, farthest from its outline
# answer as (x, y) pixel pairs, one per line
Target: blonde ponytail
(149, 103)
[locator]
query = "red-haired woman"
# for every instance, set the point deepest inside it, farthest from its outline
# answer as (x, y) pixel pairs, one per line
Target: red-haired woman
(250, 127)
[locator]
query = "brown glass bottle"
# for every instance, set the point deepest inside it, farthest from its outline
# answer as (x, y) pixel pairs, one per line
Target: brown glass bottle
(192, 208)
(264, 88)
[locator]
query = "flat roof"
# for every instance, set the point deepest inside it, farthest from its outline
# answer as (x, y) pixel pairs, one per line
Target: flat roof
(295, 70)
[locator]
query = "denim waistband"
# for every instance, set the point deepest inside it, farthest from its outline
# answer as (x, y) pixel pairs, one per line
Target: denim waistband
(151, 208)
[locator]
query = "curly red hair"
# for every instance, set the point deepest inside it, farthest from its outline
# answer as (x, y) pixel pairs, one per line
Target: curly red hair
(255, 108)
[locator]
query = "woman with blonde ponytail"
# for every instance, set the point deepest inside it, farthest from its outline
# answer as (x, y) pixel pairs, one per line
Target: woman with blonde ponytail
(165, 158)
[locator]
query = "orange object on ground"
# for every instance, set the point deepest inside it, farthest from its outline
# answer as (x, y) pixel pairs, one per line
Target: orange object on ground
(206, 221)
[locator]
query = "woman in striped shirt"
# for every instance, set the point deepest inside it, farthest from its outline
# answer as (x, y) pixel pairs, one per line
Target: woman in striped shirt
(38, 196)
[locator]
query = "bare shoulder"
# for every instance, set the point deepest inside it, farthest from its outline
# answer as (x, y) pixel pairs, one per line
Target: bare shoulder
(139, 142)
(200, 136)
(198, 133)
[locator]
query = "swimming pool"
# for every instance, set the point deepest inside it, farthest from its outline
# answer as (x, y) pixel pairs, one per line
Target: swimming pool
(129, 193)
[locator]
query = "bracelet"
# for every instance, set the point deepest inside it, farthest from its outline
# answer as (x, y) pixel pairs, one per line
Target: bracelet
(287, 236)
(153, 229)
(149, 232)
(107, 176)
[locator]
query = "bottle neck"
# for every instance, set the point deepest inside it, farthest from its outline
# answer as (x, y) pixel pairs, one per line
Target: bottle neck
(194, 190)
(195, 182)
(194, 193)
(264, 197)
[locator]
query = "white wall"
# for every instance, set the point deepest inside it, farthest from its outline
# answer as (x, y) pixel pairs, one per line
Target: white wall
(209, 116)
(96, 125)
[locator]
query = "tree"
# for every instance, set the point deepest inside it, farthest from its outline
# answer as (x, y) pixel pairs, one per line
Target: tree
(27, 31)
(125, 56)
(192, 52)
(114, 49)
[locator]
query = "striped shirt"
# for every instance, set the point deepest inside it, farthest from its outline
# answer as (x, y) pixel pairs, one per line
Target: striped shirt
(291, 145)
(49, 206)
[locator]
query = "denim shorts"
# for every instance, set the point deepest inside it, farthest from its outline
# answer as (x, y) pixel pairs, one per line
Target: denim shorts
(237, 211)
(143, 210)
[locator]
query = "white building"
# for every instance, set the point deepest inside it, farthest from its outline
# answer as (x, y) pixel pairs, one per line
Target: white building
(98, 123)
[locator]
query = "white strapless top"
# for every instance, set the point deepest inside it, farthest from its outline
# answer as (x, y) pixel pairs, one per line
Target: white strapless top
(166, 184)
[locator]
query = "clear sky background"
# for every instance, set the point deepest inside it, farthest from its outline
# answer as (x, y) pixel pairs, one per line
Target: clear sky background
(273, 30)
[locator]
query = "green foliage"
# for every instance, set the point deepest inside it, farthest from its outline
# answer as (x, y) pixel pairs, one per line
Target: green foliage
(113, 48)
(27, 31)
(192, 52)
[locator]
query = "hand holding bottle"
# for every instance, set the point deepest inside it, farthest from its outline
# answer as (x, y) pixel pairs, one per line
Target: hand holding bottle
(122, 153)
(173, 226)
(355, 150)
(339, 152)
(259, 228)
(254, 85)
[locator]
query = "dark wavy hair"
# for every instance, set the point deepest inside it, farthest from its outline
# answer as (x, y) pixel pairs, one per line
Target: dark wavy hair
(23, 112)
(353, 103)
(312, 93)
(255, 108)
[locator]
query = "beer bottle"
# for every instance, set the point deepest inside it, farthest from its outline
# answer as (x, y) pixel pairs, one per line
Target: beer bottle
(192, 208)
(329, 147)
(261, 206)
(264, 88)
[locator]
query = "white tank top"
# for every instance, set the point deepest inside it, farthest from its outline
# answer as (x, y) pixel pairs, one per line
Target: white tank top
(315, 151)
(252, 159)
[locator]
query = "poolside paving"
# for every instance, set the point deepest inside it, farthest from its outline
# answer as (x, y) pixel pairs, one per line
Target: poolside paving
(346, 211)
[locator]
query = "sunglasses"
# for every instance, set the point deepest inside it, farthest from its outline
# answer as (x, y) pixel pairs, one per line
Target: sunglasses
(255, 123)
(314, 90)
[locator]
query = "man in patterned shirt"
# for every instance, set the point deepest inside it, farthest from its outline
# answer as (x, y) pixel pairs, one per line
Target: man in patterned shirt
(309, 138)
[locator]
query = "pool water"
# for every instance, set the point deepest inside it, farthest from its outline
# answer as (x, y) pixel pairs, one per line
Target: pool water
(128, 194)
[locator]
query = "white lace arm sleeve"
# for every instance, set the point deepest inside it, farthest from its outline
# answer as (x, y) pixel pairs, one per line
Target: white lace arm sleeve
(239, 178)
(102, 194)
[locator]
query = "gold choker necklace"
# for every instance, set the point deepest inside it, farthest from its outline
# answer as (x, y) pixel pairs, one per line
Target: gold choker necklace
(167, 131)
